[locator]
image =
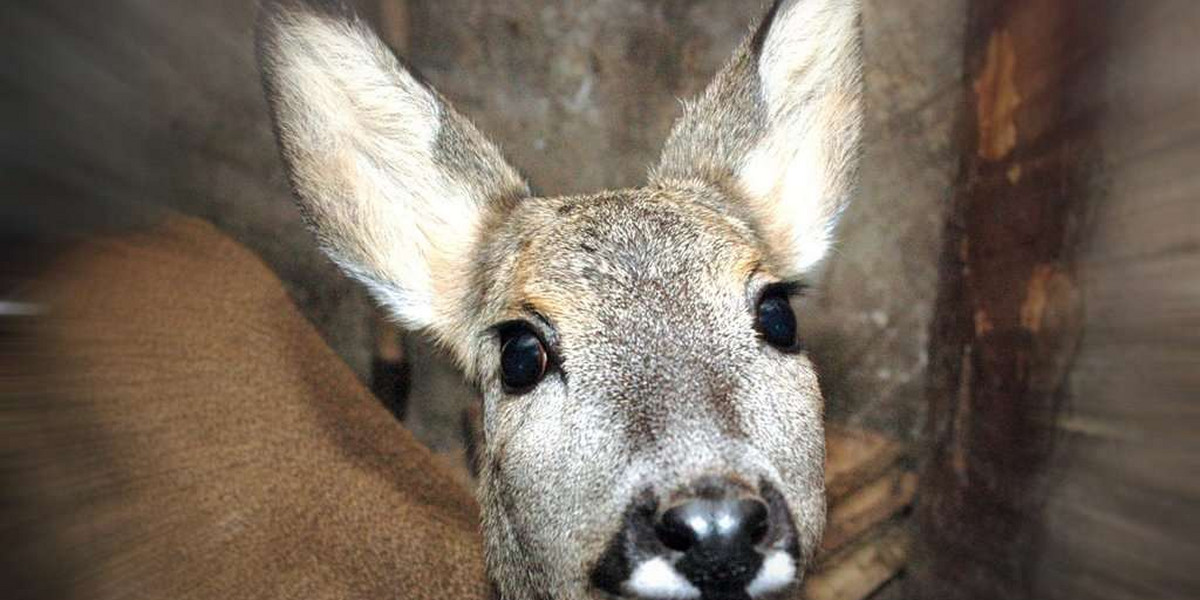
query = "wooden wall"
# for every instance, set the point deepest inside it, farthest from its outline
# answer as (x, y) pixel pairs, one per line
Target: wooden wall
(1063, 384)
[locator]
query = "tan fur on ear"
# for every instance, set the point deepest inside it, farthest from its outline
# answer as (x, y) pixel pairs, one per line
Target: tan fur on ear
(780, 127)
(392, 181)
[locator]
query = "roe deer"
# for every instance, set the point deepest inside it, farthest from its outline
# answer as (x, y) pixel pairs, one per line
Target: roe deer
(653, 427)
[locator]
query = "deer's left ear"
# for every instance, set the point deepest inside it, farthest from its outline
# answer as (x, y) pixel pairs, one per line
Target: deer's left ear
(392, 180)
(780, 126)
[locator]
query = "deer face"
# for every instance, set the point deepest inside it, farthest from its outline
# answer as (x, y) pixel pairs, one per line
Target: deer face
(653, 426)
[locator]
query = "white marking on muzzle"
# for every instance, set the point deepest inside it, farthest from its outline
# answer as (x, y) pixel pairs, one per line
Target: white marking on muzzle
(658, 580)
(777, 571)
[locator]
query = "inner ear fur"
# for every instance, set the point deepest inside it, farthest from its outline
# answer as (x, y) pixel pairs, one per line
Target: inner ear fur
(391, 179)
(779, 128)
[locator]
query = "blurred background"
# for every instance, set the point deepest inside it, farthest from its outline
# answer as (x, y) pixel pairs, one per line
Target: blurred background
(1014, 300)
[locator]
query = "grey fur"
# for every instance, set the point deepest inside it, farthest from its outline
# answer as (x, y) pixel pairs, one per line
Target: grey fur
(648, 294)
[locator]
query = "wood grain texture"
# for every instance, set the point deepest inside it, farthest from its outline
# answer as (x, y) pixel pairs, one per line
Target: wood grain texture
(862, 569)
(1063, 381)
(1009, 314)
(1122, 511)
(855, 457)
(868, 508)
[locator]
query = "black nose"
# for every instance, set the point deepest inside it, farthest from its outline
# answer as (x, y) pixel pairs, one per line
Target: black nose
(717, 535)
(713, 535)
(718, 526)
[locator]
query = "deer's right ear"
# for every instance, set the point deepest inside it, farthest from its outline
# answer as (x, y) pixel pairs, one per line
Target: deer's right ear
(391, 179)
(780, 128)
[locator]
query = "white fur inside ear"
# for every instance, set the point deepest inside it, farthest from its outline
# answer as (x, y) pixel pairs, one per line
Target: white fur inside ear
(360, 133)
(777, 572)
(787, 185)
(797, 175)
(808, 44)
(657, 579)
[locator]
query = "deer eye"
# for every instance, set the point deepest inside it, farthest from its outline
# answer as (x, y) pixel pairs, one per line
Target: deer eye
(775, 321)
(522, 359)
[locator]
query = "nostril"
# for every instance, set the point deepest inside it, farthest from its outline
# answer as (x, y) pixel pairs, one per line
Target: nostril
(755, 520)
(674, 529)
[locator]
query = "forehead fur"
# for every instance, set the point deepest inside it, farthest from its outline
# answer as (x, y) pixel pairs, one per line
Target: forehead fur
(565, 256)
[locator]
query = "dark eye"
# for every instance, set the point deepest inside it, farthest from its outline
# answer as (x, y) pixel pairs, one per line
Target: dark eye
(776, 322)
(522, 360)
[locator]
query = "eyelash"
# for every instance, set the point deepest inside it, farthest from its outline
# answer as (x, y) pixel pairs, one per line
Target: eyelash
(788, 289)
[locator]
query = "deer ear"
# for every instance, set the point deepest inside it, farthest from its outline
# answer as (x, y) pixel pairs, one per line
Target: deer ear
(391, 179)
(779, 127)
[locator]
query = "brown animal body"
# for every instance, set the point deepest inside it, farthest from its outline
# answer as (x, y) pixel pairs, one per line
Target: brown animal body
(181, 431)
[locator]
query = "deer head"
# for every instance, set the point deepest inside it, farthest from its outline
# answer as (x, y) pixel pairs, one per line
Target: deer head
(653, 425)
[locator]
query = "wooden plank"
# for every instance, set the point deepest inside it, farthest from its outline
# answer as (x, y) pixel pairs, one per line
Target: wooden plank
(856, 457)
(1121, 518)
(867, 509)
(1009, 317)
(861, 570)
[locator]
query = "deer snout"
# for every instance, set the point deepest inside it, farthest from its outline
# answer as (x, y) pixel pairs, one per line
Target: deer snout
(716, 537)
(715, 540)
